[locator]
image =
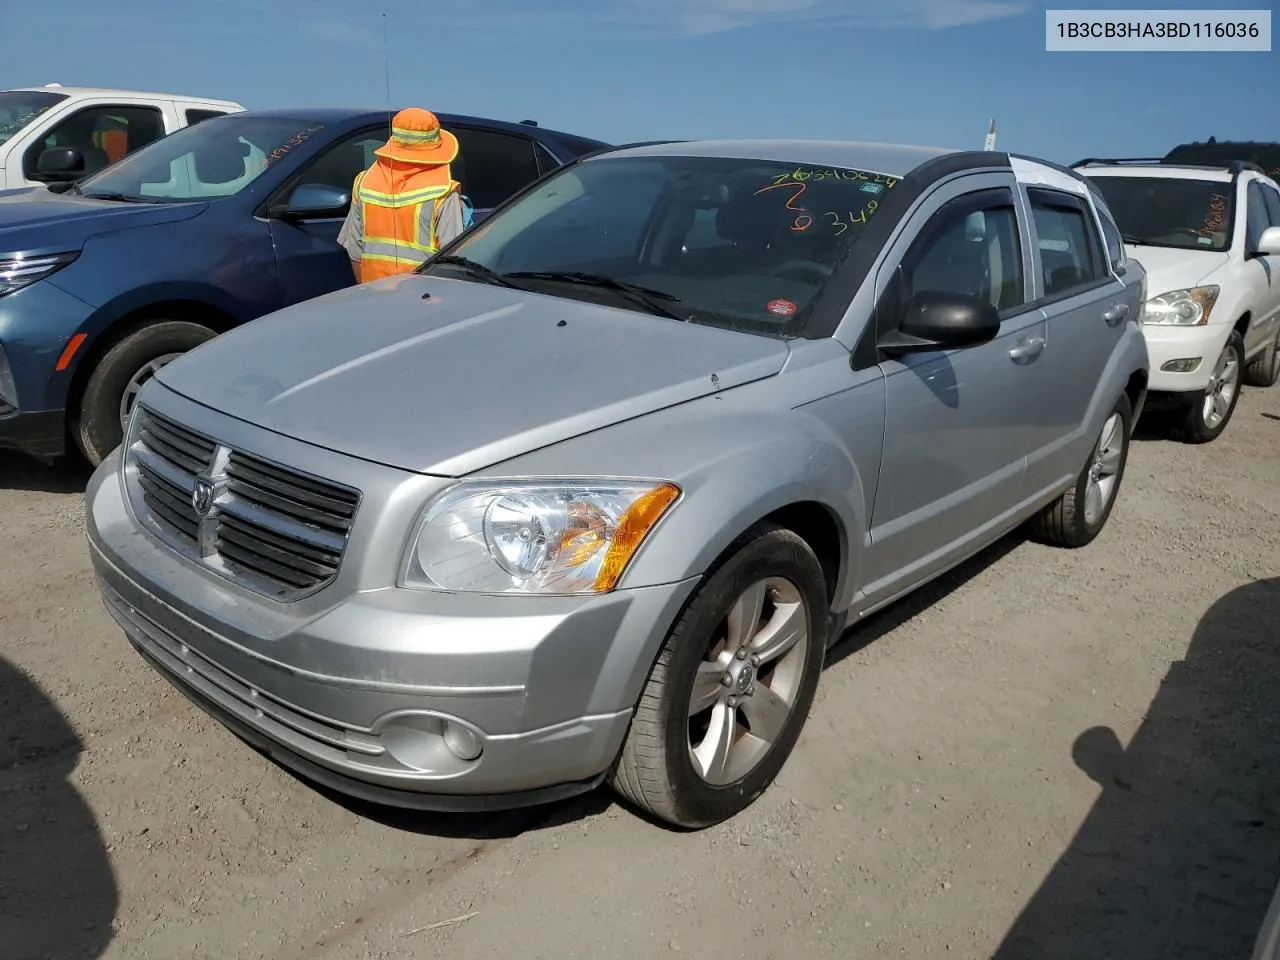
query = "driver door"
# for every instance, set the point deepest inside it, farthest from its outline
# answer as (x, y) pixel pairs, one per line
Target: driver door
(959, 424)
(309, 261)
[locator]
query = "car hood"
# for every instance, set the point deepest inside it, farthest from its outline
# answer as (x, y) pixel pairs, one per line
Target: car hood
(468, 377)
(34, 219)
(1169, 269)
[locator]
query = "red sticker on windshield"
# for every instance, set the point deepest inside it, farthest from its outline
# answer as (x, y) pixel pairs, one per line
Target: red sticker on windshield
(780, 308)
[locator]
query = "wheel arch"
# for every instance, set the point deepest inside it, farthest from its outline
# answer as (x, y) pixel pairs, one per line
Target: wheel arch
(189, 310)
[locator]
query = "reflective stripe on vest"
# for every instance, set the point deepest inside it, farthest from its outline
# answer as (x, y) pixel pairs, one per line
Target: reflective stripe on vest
(393, 241)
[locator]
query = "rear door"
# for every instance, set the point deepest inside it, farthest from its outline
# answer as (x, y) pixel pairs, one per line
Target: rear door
(309, 261)
(493, 165)
(1087, 306)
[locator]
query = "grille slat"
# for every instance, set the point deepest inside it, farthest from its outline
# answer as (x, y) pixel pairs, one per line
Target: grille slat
(276, 530)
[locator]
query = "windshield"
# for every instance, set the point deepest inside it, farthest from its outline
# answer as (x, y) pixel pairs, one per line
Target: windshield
(218, 157)
(1171, 212)
(20, 107)
(741, 244)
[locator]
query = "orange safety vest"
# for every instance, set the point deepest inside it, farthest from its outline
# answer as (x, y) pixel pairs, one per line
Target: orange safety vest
(393, 197)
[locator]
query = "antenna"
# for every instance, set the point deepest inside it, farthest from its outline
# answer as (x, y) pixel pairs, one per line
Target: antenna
(990, 143)
(386, 59)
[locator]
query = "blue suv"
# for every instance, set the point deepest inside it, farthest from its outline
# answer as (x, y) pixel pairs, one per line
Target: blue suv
(105, 279)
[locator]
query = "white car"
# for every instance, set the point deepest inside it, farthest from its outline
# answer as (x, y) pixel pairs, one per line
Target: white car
(1209, 237)
(98, 125)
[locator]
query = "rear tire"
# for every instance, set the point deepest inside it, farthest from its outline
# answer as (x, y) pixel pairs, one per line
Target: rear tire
(1078, 516)
(98, 429)
(1264, 369)
(745, 723)
(1205, 420)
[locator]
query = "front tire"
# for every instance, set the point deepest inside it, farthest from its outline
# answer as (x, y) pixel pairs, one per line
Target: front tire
(1211, 411)
(731, 687)
(1264, 369)
(98, 427)
(1077, 517)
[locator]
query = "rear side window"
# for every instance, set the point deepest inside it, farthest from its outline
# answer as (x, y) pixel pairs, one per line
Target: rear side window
(195, 116)
(1070, 251)
(492, 166)
(1111, 236)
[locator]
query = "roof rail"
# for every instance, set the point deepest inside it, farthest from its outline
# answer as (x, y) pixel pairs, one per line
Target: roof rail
(1113, 161)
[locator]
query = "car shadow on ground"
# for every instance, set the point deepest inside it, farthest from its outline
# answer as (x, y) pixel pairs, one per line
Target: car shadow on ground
(20, 472)
(1180, 854)
(58, 895)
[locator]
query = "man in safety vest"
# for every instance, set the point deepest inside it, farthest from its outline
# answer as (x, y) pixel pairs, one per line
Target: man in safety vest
(407, 204)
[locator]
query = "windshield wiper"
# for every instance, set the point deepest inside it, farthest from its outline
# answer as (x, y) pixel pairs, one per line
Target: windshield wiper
(646, 297)
(1137, 241)
(121, 197)
(478, 270)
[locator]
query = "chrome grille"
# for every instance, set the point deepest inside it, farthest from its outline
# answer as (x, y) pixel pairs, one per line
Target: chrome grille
(276, 530)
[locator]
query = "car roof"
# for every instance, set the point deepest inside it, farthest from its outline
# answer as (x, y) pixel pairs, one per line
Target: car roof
(114, 92)
(1164, 171)
(364, 115)
(891, 159)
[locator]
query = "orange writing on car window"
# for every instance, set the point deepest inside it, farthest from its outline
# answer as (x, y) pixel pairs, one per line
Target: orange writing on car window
(1216, 218)
(803, 221)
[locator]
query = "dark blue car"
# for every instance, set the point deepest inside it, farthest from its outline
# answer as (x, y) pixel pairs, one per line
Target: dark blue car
(104, 279)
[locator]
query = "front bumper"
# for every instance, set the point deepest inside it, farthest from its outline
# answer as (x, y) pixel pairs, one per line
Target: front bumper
(1170, 344)
(42, 434)
(355, 693)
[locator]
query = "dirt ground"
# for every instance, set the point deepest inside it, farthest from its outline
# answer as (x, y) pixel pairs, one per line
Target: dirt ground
(1048, 754)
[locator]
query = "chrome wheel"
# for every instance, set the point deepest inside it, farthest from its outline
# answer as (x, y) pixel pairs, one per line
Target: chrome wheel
(1222, 388)
(1104, 469)
(747, 685)
(136, 383)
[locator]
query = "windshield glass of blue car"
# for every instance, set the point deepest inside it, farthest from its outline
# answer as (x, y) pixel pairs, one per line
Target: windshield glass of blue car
(735, 243)
(19, 107)
(216, 158)
(1171, 211)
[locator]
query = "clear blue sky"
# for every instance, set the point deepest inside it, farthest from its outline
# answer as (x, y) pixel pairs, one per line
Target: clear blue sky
(916, 71)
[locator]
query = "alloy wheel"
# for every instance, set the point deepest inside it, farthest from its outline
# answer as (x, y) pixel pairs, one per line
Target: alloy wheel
(1104, 469)
(747, 685)
(136, 383)
(1222, 388)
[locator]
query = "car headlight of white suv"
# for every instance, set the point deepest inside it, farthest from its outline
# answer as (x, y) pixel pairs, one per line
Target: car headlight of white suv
(533, 536)
(1181, 308)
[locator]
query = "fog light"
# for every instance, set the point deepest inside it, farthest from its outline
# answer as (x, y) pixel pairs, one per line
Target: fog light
(1185, 365)
(461, 741)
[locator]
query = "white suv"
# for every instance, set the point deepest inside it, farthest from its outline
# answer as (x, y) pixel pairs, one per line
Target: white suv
(1209, 238)
(100, 125)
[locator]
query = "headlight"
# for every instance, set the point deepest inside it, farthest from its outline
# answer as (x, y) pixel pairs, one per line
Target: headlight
(18, 272)
(534, 536)
(1181, 308)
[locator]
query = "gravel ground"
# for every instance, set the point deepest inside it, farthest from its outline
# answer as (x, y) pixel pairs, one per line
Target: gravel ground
(1048, 754)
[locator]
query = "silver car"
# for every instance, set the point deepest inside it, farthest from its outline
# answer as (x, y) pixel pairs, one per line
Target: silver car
(588, 496)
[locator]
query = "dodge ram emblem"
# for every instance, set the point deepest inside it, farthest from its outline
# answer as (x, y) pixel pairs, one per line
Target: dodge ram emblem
(202, 496)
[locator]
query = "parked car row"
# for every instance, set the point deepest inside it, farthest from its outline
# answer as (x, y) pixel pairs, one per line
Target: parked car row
(105, 278)
(587, 497)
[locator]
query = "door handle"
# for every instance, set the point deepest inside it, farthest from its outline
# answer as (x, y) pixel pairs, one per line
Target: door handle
(1026, 349)
(1116, 313)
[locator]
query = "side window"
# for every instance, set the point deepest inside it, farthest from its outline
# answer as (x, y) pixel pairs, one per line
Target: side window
(970, 249)
(1258, 218)
(102, 134)
(339, 165)
(492, 166)
(1070, 252)
(195, 116)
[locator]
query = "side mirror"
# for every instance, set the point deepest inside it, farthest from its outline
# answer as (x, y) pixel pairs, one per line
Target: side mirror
(313, 201)
(60, 163)
(942, 321)
(1268, 244)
